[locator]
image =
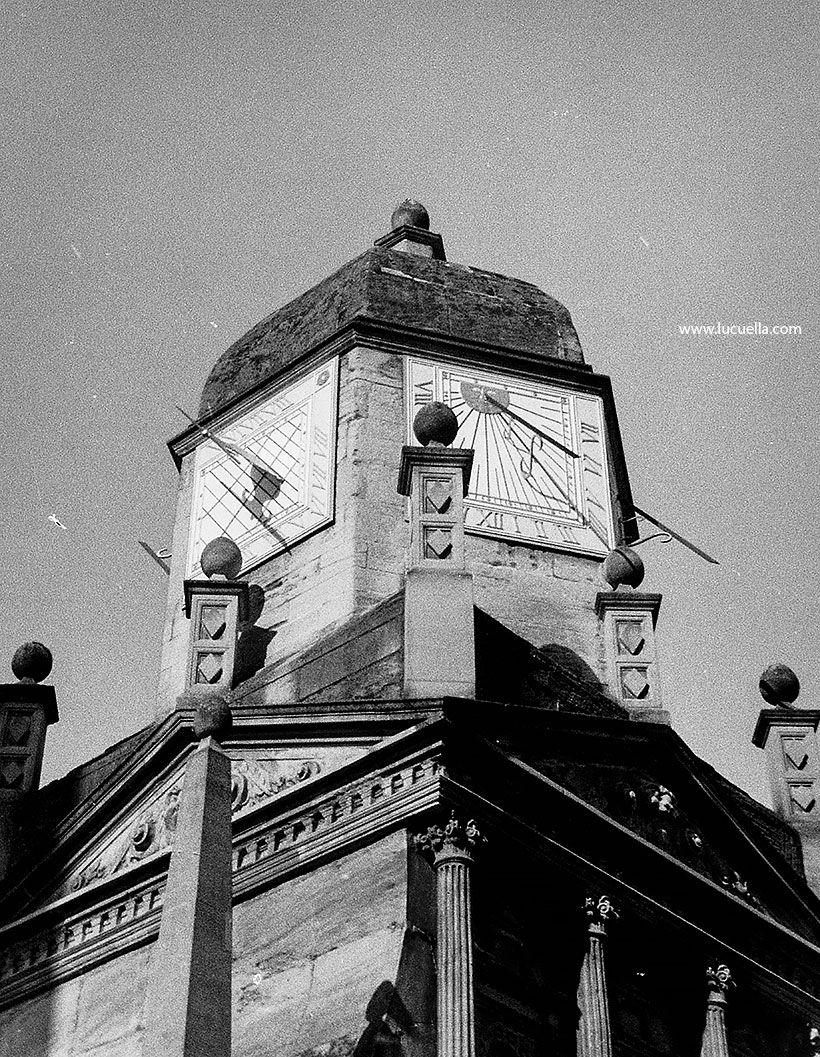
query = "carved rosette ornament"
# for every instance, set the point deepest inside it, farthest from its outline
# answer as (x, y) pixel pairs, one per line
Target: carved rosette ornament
(593, 1034)
(719, 981)
(451, 847)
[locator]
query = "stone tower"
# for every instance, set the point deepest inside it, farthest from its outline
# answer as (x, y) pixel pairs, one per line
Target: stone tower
(395, 800)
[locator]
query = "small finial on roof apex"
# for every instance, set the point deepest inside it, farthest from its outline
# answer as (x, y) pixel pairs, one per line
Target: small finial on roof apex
(221, 558)
(410, 213)
(31, 662)
(779, 686)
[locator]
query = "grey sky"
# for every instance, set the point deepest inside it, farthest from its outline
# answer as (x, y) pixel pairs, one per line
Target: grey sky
(175, 172)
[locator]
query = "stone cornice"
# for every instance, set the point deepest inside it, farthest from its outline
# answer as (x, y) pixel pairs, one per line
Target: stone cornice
(563, 831)
(172, 739)
(401, 782)
(805, 718)
(393, 338)
(630, 601)
(325, 816)
(31, 694)
(372, 333)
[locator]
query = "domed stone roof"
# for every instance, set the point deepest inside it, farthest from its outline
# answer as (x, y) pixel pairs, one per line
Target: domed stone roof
(406, 291)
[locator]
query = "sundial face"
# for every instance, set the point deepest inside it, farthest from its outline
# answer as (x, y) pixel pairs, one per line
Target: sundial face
(266, 480)
(524, 486)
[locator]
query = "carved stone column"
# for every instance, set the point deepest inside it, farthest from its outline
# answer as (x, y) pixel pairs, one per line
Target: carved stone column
(719, 981)
(451, 848)
(593, 1034)
(188, 1000)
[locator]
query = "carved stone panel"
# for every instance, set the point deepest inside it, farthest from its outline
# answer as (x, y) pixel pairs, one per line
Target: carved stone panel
(640, 802)
(152, 827)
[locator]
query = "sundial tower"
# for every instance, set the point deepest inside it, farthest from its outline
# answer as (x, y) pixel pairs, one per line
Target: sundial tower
(296, 451)
(410, 790)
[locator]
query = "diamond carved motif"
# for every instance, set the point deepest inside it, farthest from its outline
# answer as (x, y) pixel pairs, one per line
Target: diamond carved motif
(438, 543)
(11, 774)
(212, 622)
(802, 798)
(209, 667)
(634, 683)
(795, 754)
(630, 637)
(18, 728)
(438, 495)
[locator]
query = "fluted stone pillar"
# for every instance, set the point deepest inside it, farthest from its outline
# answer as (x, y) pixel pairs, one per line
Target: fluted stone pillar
(451, 848)
(188, 1001)
(593, 1034)
(719, 981)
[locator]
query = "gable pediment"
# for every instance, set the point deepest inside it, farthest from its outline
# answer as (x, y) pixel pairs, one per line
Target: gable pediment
(129, 820)
(643, 778)
(148, 827)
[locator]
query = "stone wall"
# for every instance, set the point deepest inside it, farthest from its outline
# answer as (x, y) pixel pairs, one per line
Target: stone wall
(317, 963)
(94, 1015)
(359, 560)
(313, 956)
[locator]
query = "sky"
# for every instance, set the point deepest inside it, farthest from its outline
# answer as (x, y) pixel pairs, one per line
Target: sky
(175, 172)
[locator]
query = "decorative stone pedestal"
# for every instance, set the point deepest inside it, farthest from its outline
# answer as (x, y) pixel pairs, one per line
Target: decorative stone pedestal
(628, 621)
(27, 709)
(789, 737)
(439, 637)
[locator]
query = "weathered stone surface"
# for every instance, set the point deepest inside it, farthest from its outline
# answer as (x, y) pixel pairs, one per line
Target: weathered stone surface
(310, 954)
(405, 290)
(188, 1001)
(96, 1014)
(362, 659)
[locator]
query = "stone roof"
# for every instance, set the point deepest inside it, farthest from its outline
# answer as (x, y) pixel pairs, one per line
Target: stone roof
(402, 290)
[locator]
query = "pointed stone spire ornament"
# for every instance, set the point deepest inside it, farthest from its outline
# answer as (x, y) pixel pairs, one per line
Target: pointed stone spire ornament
(593, 1033)
(451, 848)
(719, 981)
(188, 1000)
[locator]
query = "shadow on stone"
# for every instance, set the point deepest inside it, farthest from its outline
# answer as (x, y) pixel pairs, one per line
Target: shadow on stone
(388, 1021)
(508, 668)
(253, 642)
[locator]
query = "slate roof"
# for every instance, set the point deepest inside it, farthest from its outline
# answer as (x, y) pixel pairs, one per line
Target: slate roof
(401, 290)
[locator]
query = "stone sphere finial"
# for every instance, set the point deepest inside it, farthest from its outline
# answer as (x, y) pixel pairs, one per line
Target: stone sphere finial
(623, 566)
(221, 557)
(213, 717)
(412, 213)
(435, 424)
(779, 685)
(31, 662)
